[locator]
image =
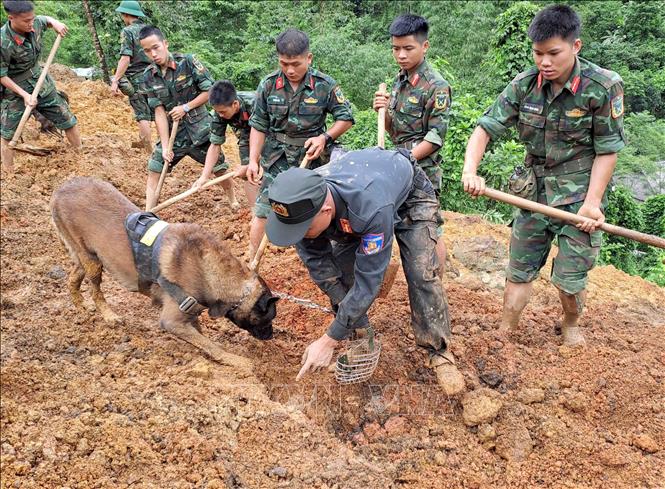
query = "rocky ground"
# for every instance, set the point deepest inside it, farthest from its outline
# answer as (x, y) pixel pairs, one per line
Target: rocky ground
(86, 405)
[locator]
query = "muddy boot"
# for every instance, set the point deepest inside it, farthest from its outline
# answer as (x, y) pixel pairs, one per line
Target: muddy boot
(449, 377)
(572, 337)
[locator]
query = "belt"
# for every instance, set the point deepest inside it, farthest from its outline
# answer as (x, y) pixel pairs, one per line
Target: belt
(408, 144)
(285, 139)
(33, 72)
(572, 166)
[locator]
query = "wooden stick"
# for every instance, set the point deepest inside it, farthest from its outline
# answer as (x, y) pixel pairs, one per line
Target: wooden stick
(555, 213)
(165, 167)
(35, 92)
(393, 265)
(264, 241)
(192, 191)
(381, 133)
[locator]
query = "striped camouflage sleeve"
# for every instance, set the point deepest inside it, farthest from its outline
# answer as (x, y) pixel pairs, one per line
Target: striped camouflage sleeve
(504, 113)
(608, 134)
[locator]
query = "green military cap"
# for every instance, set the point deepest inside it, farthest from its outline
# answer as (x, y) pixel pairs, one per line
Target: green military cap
(131, 7)
(296, 196)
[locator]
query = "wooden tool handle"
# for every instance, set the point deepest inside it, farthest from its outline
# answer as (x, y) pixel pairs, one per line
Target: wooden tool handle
(381, 133)
(555, 213)
(165, 167)
(35, 92)
(192, 191)
(254, 264)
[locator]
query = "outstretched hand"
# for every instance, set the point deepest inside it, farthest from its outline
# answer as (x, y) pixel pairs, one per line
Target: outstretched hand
(317, 355)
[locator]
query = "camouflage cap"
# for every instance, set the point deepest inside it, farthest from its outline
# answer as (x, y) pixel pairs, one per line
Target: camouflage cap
(296, 196)
(131, 7)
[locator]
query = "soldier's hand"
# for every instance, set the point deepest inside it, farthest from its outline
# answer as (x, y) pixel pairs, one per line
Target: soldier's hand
(473, 184)
(59, 27)
(241, 172)
(254, 173)
(595, 215)
(315, 146)
(177, 113)
(381, 100)
(114, 87)
(317, 355)
(29, 101)
(167, 156)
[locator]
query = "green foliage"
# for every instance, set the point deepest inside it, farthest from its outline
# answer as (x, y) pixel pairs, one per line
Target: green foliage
(511, 52)
(624, 211)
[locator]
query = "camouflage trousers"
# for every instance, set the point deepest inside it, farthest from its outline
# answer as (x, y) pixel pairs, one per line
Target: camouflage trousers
(50, 104)
(416, 236)
(530, 244)
(183, 147)
(137, 99)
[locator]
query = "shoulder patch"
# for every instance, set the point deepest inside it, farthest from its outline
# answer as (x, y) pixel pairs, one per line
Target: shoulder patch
(617, 106)
(372, 243)
(197, 64)
(441, 100)
(339, 95)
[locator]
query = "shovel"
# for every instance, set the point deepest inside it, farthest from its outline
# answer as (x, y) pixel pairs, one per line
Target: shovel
(393, 266)
(191, 191)
(35, 93)
(555, 213)
(165, 167)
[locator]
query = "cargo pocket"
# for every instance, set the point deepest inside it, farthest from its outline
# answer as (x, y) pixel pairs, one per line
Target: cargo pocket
(198, 126)
(568, 188)
(531, 128)
(576, 130)
(278, 114)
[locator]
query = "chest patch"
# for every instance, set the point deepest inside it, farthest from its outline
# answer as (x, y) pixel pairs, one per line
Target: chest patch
(372, 243)
(310, 100)
(532, 108)
(576, 112)
(346, 226)
(413, 100)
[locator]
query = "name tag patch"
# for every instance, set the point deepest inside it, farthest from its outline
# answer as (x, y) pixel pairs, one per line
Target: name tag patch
(533, 108)
(372, 243)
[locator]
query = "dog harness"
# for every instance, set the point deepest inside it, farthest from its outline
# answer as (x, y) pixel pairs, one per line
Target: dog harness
(145, 232)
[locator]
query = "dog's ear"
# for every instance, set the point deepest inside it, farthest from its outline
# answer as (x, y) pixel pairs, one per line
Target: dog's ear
(265, 301)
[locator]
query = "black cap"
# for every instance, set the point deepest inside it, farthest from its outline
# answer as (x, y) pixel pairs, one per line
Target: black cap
(296, 196)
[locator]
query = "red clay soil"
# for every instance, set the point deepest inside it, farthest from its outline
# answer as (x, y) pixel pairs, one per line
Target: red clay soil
(85, 404)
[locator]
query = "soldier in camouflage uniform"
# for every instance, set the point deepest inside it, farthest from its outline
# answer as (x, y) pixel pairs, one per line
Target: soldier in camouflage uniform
(21, 39)
(418, 105)
(177, 87)
(232, 109)
(569, 113)
(289, 120)
(129, 73)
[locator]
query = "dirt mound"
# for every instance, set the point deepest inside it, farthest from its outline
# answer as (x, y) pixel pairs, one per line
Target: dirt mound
(88, 405)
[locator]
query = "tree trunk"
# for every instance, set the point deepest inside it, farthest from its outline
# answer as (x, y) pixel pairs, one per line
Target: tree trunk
(95, 40)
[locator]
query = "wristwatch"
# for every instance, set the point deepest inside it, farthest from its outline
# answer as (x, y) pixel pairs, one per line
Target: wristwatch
(186, 108)
(329, 138)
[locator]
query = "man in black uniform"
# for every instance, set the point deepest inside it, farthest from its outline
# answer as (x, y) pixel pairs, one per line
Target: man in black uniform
(342, 218)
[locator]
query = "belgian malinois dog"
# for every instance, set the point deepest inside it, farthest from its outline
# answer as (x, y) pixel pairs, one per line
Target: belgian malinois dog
(89, 218)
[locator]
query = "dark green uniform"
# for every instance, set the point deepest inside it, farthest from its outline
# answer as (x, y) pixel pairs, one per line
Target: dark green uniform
(130, 84)
(20, 62)
(239, 124)
(289, 119)
(419, 110)
(184, 80)
(562, 133)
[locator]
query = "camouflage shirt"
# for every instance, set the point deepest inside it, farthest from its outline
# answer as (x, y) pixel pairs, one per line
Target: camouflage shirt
(19, 58)
(130, 46)
(289, 118)
(562, 132)
(239, 124)
(419, 107)
(185, 78)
